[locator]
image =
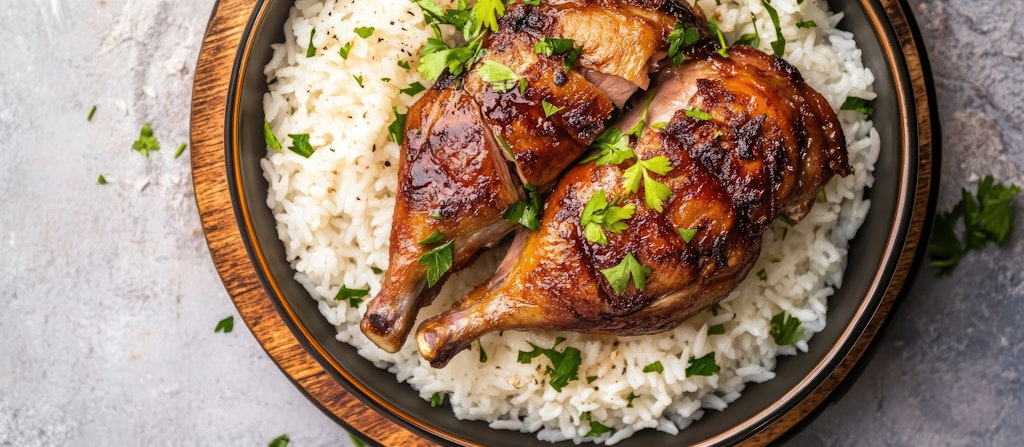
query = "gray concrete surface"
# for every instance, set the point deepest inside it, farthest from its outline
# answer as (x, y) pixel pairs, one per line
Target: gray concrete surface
(108, 297)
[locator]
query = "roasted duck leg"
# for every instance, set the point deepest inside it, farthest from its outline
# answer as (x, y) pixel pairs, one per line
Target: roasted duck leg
(746, 140)
(454, 182)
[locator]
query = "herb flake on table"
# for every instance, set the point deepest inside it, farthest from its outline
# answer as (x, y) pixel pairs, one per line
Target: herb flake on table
(181, 148)
(280, 441)
(986, 216)
(101, 180)
(226, 325)
(92, 112)
(146, 141)
(355, 441)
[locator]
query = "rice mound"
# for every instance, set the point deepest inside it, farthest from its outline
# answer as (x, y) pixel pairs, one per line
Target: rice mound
(334, 211)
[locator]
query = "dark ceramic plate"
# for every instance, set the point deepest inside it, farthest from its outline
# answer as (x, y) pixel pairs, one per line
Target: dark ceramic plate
(880, 260)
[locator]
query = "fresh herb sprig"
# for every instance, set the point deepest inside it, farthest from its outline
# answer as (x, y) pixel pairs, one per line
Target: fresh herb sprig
(987, 216)
(565, 364)
(619, 275)
(526, 212)
(600, 215)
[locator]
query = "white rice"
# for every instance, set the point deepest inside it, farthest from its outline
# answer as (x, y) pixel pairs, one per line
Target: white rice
(334, 209)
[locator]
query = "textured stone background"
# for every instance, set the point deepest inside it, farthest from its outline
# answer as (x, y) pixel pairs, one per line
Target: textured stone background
(108, 296)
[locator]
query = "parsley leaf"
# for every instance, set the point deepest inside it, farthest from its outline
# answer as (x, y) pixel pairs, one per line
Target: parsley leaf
(226, 325)
(612, 148)
(572, 57)
(680, 39)
(434, 238)
(857, 105)
(750, 39)
(364, 31)
(486, 14)
(403, 64)
(280, 441)
(355, 441)
(500, 76)
(806, 24)
(687, 234)
(353, 296)
(438, 262)
(300, 144)
(432, 64)
(987, 218)
(779, 45)
(396, 130)
(413, 89)
(698, 114)
(565, 364)
(785, 329)
(618, 276)
(717, 329)
(483, 355)
(600, 214)
(311, 50)
(549, 108)
(343, 52)
(655, 367)
(597, 429)
(638, 128)
(715, 30)
(437, 399)
(146, 142)
(704, 366)
(101, 180)
(526, 212)
(655, 192)
(269, 137)
(549, 46)
(359, 80)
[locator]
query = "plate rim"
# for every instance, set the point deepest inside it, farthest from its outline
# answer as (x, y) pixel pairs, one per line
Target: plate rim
(224, 225)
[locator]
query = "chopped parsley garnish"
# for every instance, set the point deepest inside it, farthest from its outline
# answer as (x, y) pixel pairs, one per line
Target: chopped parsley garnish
(531, 2)
(717, 32)
(597, 429)
(698, 114)
(438, 262)
(612, 148)
(300, 144)
(486, 14)
(548, 46)
(704, 366)
(505, 147)
(572, 57)
(638, 128)
(359, 80)
(779, 45)
(310, 49)
(549, 108)
(101, 180)
(654, 367)
(987, 217)
(483, 355)
(785, 329)
(786, 220)
(343, 52)
(687, 234)
(857, 105)
(565, 364)
(376, 270)
(396, 130)
(655, 192)
(280, 441)
(526, 212)
(629, 399)
(226, 325)
(717, 329)
(806, 24)
(353, 296)
(762, 275)
(659, 125)
(500, 76)
(92, 112)
(437, 399)
(364, 31)
(146, 142)
(750, 39)
(600, 214)
(436, 59)
(181, 148)
(413, 89)
(434, 238)
(270, 138)
(618, 276)
(405, 65)
(681, 38)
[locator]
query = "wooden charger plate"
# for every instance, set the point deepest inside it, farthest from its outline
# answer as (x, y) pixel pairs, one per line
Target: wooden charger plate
(906, 96)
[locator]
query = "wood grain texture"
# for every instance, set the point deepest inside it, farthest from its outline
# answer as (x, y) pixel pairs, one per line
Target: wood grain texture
(225, 240)
(209, 102)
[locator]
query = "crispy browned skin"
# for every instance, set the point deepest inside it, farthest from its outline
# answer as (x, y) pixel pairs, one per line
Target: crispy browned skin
(771, 144)
(453, 177)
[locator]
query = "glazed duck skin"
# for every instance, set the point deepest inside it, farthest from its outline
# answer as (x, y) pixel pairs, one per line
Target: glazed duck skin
(762, 145)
